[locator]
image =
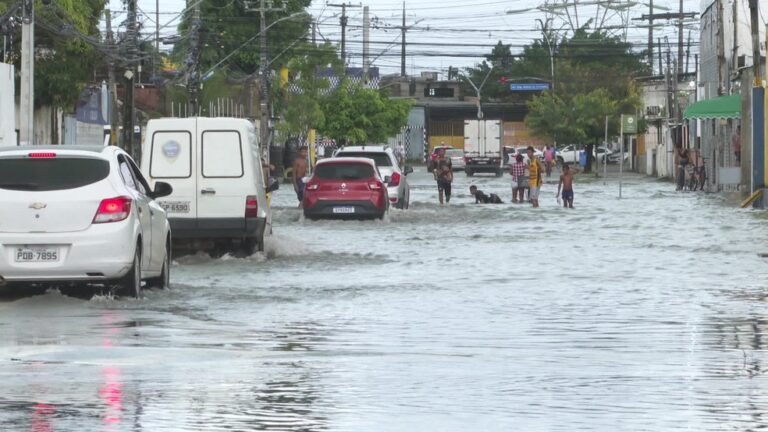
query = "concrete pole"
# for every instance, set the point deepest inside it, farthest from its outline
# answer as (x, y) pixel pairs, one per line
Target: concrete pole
(113, 117)
(27, 87)
(755, 25)
(402, 47)
(366, 40)
(263, 88)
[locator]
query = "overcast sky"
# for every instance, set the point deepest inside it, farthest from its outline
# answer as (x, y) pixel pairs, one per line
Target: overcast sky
(437, 24)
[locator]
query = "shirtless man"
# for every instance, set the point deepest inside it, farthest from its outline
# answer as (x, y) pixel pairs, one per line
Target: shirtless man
(299, 171)
(566, 182)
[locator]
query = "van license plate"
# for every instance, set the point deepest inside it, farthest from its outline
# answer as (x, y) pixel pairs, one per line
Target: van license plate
(175, 206)
(37, 254)
(343, 210)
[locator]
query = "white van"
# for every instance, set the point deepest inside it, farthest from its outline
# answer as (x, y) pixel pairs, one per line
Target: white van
(214, 166)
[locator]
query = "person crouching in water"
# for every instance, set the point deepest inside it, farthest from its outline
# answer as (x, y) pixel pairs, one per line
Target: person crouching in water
(566, 181)
(481, 198)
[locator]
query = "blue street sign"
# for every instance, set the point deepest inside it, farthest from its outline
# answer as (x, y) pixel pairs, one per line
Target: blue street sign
(529, 86)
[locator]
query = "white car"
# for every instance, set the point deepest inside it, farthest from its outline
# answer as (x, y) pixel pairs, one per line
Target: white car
(81, 214)
(458, 162)
(397, 185)
(570, 154)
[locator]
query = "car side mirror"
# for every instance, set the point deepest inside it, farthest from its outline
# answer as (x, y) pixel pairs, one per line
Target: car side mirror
(162, 189)
(408, 169)
(387, 179)
(272, 184)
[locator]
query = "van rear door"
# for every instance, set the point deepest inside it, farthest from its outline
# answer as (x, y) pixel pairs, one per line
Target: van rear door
(172, 157)
(222, 180)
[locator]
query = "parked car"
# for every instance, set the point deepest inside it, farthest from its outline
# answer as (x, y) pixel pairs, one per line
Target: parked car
(457, 157)
(570, 154)
(536, 152)
(343, 187)
(386, 161)
(511, 154)
(219, 193)
(81, 214)
(433, 156)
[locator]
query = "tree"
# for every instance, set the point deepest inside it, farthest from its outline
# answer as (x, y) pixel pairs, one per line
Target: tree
(594, 75)
(358, 115)
(66, 56)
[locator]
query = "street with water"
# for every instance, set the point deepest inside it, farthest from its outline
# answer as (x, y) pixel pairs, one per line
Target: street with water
(645, 313)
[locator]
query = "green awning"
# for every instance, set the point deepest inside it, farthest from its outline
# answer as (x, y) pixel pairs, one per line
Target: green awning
(723, 107)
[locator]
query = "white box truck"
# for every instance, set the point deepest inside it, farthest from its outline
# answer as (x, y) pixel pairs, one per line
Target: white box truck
(482, 147)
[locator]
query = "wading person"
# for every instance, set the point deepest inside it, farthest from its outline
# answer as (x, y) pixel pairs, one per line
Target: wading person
(299, 170)
(444, 175)
(482, 198)
(534, 177)
(549, 158)
(519, 179)
(736, 144)
(566, 182)
(682, 156)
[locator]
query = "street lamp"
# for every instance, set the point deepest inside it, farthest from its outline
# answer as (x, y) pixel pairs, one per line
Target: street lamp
(479, 89)
(551, 52)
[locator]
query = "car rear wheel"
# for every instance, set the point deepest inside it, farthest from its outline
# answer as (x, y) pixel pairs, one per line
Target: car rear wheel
(164, 280)
(130, 284)
(252, 245)
(469, 172)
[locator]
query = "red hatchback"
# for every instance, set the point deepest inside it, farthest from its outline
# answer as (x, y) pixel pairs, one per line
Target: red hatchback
(348, 188)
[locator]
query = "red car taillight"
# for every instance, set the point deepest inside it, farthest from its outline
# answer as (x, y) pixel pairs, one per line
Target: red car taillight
(394, 179)
(113, 210)
(313, 186)
(251, 207)
(375, 185)
(41, 155)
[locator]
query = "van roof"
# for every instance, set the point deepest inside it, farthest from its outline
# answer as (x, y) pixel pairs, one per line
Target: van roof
(64, 148)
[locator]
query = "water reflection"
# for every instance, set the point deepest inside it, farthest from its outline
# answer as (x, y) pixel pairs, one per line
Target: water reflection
(42, 415)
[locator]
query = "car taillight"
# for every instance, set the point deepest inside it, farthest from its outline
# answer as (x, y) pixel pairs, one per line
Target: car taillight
(375, 185)
(113, 210)
(464, 158)
(313, 186)
(395, 179)
(42, 155)
(251, 207)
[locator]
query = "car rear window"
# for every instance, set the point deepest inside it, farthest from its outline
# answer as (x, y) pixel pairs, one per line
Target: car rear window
(451, 153)
(60, 173)
(380, 159)
(344, 171)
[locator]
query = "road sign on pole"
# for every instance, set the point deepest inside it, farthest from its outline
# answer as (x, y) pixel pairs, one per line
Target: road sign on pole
(629, 124)
(529, 86)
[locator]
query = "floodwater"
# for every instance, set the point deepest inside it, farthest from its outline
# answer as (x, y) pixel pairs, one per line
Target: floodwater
(646, 313)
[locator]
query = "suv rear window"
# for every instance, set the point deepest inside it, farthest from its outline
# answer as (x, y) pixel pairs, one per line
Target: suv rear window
(58, 173)
(380, 159)
(344, 171)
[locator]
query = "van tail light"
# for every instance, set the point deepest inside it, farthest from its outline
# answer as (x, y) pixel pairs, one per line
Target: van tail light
(375, 185)
(394, 179)
(113, 210)
(42, 155)
(251, 207)
(313, 186)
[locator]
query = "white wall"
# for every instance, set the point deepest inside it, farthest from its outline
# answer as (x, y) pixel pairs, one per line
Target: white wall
(7, 111)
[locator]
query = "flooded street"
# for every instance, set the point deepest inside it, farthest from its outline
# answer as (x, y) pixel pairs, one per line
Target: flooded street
(641, 314)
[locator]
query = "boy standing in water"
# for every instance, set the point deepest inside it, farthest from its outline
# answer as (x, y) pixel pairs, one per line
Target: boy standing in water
(566, 182)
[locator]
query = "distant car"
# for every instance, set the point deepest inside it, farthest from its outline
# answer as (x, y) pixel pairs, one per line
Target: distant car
(386, 161)
(457, 157)
(536, 152)
(347, 188)
(570, 154)
(81, 214)
(433, 156)
(511, 155)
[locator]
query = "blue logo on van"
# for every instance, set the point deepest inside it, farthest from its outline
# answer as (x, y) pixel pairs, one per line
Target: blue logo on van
(171, 149)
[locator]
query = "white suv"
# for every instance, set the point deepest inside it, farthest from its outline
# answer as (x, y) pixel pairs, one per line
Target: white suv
(394, 175)
(81, 214)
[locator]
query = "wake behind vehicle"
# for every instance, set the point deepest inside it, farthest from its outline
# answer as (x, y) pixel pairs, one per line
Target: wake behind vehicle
(81, 215)
(219, 198)
(345, 188)
(397, 187)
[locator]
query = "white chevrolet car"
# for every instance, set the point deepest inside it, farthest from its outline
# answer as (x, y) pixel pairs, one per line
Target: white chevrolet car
(395, 175)
(80, 214)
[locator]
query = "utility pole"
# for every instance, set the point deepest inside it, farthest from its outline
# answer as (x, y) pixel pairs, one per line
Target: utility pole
(668, 16)
(343, 21)
(130, 76)
(366, 41)
(402, 49)
(113, 120)
(27, 102)
(650, 36)
(156, 56)
(264, 105)
(754, 17)
(193, 60)
(680, 42)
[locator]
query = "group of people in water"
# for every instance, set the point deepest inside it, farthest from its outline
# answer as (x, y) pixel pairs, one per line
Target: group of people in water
(526, 177)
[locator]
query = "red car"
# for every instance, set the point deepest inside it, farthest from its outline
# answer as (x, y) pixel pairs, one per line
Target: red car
(347, 188)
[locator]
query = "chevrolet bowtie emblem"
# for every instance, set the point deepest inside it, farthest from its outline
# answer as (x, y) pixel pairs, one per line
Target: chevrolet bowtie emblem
(38, 206)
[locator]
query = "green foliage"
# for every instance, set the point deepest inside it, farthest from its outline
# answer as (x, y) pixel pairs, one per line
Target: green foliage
(357, 115)
(64, 63)
(226, 25)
